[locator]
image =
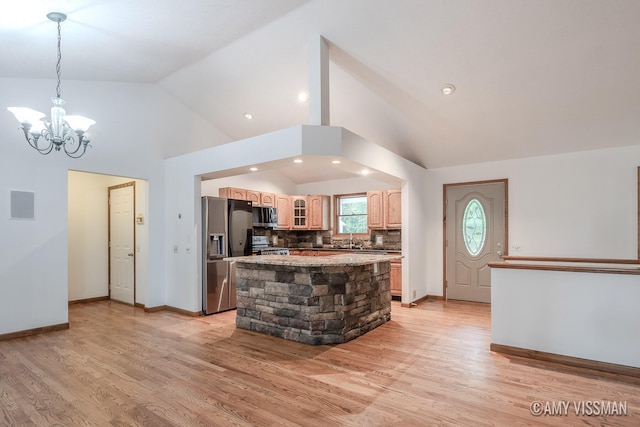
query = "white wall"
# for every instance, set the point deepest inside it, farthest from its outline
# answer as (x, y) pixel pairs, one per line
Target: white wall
(135, 130)
(585, 315)
(33, 253)
(88, 217)
(569, 205)
(343, 186)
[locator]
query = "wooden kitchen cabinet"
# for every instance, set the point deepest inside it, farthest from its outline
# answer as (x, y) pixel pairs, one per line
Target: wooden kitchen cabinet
(267, 199)
(395, 280)
(375, 209)
(384, 209)
(283, 206)
(392, 209)
(232, 193)
(254, 197)
(300, 212)
(318, 212)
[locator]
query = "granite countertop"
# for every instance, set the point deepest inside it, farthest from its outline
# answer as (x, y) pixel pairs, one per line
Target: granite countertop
(315, 261)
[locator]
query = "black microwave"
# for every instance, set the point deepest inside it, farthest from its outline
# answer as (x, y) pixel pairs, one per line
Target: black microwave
(265, 216)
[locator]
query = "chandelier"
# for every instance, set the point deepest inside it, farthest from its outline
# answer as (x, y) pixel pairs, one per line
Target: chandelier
(61, 131)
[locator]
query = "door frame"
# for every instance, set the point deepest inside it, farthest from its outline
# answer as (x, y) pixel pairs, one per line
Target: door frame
(115, 187)
(445, 187)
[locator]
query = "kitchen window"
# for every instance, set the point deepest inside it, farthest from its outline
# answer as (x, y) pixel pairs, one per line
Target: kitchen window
(351, 213)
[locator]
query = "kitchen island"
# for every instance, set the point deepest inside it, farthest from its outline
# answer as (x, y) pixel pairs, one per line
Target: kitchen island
(313, 300)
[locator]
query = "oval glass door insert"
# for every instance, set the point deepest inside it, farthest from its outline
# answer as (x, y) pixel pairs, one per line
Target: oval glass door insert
(474, 227)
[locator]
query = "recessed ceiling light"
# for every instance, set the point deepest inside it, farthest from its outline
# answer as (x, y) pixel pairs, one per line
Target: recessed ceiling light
(253, 169)
(336, 162)
(297, 161)
(365, 172)
(303, 97)
(248, 116)
(448, 89)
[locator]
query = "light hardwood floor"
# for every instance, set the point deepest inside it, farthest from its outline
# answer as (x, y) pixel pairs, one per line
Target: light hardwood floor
(430, 365)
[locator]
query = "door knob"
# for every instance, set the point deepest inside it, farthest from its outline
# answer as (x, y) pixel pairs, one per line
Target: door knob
(499, 254)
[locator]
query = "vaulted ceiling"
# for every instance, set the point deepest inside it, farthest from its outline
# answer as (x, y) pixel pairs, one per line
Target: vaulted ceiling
(532, 77)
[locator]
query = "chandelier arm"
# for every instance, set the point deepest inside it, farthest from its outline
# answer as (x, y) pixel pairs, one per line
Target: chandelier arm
(75, 156)
(33, 142)
(77, 139)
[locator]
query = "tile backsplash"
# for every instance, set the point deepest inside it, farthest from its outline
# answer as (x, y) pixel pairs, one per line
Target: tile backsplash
(377, 239)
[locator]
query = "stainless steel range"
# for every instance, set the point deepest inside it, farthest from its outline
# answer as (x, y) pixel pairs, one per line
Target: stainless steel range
(261, 247)
(273, 251)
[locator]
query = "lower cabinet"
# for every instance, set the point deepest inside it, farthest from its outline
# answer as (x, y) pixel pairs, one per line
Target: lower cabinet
(395, 280)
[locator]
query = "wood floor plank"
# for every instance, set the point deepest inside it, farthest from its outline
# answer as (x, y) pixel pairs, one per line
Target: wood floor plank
(430, 365)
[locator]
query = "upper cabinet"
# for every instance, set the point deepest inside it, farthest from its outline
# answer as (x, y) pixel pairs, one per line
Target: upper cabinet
(254, 197)
(302, 212)
(384, 209)
(283, 206)
(393, 209)
(318, 212)
(300, 218)
(232, 193)
(267, 199)
(375, 209)
(294, 212)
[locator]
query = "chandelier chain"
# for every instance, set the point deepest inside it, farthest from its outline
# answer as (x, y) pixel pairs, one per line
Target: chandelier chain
(58, 63)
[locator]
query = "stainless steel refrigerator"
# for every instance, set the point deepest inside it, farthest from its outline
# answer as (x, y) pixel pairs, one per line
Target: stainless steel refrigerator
(227, 226)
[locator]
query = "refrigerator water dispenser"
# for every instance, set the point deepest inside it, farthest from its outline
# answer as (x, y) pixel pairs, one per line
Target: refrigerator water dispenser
(216, 246)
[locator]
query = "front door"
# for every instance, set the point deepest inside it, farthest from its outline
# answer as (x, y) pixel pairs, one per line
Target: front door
(122, 243)
(475, 234)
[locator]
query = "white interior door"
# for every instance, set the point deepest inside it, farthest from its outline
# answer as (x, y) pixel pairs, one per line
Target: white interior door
(122, 243)
(475, 235)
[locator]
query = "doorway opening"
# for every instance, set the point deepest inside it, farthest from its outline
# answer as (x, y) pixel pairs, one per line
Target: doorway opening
(88, 236)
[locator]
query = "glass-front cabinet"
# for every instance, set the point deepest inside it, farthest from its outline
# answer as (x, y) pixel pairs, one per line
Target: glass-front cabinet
(300, 211)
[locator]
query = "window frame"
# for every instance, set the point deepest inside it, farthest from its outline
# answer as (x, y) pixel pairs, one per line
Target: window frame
(336, 216)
